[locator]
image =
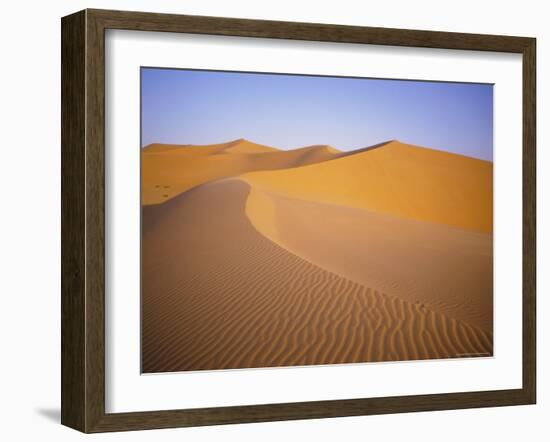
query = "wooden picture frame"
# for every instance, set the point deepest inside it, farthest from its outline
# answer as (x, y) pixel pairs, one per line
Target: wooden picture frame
(83, 220)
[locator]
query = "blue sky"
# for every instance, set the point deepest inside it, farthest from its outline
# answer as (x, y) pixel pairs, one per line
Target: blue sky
(290, 111)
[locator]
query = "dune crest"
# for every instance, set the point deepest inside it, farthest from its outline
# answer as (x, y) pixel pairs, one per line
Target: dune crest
(244, 146)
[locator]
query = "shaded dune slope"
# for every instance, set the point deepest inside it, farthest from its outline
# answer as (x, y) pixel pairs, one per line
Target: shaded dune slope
(449, 270)
(275, 308)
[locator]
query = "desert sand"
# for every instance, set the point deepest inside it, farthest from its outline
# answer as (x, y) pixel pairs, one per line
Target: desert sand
(168, 170)
(398, 179)
(258, 257)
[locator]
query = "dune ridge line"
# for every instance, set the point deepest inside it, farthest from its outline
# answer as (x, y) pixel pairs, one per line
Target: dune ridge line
(258, 257)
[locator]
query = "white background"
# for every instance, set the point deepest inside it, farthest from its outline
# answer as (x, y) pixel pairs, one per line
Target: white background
(126, 51)
(30, 233)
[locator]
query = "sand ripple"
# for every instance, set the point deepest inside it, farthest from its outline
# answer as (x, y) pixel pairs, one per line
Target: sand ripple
(218, 294)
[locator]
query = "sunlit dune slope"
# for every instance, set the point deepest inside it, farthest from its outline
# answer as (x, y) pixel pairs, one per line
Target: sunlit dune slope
(395, 178)
(168, 170)
(445, 269)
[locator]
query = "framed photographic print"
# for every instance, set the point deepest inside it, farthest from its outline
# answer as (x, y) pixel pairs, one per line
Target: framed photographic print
(271, 220)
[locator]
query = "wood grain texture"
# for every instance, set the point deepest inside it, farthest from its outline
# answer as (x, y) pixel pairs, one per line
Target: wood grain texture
(73, 258)
(145, 21)
(83, 217)
(95, 221)
(529, 220)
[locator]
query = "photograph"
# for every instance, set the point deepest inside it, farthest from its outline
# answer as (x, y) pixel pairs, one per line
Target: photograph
(296, 220)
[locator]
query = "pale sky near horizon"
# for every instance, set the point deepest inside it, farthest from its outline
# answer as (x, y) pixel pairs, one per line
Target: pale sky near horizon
(288, 111)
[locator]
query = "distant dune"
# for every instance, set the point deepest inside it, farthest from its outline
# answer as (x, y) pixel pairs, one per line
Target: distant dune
(258, 257)
(169, 170)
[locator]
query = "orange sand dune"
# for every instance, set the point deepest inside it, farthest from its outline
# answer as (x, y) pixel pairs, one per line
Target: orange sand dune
(447, 269)
(168, 170)
(241, 145)
(216, 293)
(398, 179)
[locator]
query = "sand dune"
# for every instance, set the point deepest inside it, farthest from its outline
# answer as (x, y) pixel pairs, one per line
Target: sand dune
(169, 170)
(446, 269)
(217, 293)
(244, 146)
(398, 179)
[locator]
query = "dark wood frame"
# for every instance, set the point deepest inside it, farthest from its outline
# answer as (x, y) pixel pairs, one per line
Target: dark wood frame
(83, 216)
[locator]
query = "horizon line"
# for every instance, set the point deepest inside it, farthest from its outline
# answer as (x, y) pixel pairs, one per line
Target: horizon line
(346, 153)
